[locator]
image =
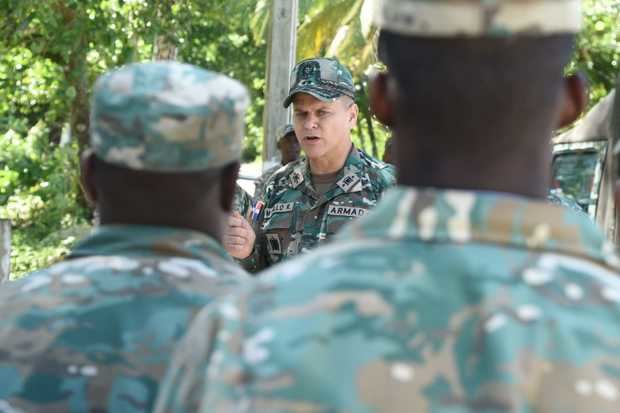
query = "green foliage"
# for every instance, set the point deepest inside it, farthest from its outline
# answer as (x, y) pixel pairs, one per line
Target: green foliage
(38, 193)
(598, 47)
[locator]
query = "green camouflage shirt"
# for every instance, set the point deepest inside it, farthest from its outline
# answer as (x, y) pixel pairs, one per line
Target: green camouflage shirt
(295, 218)
(260, 183)
(95, 332)
(242, 202)
(438, 301)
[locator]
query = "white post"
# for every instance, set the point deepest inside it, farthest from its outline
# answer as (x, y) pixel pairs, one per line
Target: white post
(280, 62)
(5, 249)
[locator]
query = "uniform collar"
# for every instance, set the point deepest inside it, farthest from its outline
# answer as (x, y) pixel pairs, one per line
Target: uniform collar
(452, 216)
(140, 240)
(353, 165)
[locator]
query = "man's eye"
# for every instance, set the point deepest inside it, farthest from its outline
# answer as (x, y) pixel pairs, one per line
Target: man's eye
(323, 113)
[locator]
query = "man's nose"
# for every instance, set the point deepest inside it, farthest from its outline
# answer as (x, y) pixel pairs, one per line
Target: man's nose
(311, 122)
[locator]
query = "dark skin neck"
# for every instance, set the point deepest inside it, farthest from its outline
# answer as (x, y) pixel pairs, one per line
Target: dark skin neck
(192, 218)
(526, 175)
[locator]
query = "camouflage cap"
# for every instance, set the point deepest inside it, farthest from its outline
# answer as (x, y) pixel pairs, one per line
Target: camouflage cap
(167, 117)
(285, 131)
(324, 78)
(477, 18)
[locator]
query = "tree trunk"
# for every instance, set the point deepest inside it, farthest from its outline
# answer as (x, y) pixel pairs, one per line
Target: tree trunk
(164, 49)
(76, 74)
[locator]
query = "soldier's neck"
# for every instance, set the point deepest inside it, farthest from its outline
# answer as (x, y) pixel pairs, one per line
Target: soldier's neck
(514, 176)
(330, 163)
(210, 226)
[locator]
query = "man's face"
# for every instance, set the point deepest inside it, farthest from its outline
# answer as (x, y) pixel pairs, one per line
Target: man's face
(289, 148)
(323, 128)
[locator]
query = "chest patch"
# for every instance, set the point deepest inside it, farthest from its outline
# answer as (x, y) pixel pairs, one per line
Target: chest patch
(296, 178)
(341, 211)
(279, 209)
(349, 183)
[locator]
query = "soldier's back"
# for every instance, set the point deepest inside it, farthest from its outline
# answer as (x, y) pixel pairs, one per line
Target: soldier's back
(94, 333)
(439, 301)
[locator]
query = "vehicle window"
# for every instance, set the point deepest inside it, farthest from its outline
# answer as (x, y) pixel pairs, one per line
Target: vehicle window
(577, 174)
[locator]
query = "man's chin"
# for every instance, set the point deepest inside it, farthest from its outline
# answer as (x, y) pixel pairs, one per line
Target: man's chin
(313, 152)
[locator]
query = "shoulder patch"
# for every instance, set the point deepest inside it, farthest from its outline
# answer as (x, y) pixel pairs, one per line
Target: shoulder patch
(296, 178)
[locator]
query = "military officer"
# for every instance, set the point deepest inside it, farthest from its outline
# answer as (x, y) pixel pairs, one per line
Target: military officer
(289, 148)
(463, 290)
(95, 332)
(308, 201)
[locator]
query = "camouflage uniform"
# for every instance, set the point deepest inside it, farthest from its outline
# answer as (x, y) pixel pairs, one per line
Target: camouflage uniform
(295, 218)
(94, 333)
(242, 203)
(437, 301)
(260, 183)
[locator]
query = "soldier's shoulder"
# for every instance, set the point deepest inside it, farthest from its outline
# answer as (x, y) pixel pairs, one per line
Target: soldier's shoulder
(269, 172)
(281, 178)
(383, 174)
(286, 170)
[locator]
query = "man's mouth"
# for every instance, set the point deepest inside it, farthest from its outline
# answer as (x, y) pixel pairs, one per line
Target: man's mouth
(312, 138)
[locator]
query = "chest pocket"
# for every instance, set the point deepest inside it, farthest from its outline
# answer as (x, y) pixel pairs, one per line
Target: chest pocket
(339, 215)
(278, 228)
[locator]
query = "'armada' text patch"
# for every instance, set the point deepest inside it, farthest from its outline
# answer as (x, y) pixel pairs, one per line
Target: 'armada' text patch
(342, 211)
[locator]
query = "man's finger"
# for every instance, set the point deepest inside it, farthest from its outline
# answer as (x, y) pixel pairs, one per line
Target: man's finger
(238, 232)
(235, 240)
(235, 221)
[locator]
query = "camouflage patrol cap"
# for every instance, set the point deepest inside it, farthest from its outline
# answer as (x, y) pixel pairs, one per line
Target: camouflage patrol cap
(477, 18)
(285, 131)
(167, 117)
(324, 78)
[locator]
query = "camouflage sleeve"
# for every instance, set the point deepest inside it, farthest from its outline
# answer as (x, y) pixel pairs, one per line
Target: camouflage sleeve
(242, 203)
(259, 188)
(258, 260)
(385, 179)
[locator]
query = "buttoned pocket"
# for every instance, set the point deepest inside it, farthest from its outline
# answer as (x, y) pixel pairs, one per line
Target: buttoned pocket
(277, 230)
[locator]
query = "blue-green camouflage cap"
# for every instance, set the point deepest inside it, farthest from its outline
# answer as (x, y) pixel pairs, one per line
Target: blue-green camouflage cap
(324, 78)
(477, 18)
(167, 117)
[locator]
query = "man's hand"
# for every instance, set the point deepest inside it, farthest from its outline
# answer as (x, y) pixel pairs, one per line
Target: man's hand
(239, 237)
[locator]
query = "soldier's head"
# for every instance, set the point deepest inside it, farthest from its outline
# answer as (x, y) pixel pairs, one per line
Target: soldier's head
(476, 78)
(288, 145)
(165, 145)
(324, 109)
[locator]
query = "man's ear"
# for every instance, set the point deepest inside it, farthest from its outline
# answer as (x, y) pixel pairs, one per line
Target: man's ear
(380, 104)
(228, 185)
(87, 177)
(575, 100)
(354, 111)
